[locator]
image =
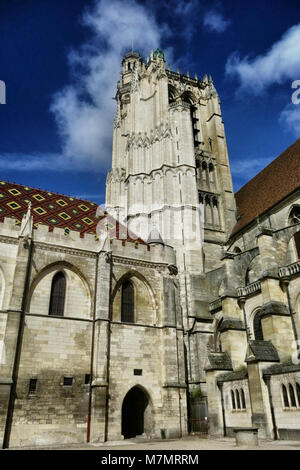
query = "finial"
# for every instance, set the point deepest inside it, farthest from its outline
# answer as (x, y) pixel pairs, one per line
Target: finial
(196, 76)
(187, 73)
(178, 70)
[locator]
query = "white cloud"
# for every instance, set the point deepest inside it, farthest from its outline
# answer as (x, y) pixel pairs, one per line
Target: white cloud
(84, 110)
(34, 162)
(279, 64)
(215, 21)
(290, 119)
(249, 167)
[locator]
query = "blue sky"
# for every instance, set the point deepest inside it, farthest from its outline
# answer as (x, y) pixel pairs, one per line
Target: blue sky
(60, 61)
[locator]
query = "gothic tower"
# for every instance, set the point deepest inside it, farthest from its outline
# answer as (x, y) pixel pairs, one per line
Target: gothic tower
(170, 181)
(170, 167)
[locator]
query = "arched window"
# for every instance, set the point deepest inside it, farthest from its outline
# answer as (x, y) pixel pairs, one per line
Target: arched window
(127, 310)
(243, 398)
(294, 217)
(58, 293)
(172, 94)
(297, 243)
(238, 402)
(233, 400)
(292, 395)
(257, 328)
(298, 393)
(285, 396)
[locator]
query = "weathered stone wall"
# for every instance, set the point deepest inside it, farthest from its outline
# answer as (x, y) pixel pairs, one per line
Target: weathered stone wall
(238, 417)
(287, 418)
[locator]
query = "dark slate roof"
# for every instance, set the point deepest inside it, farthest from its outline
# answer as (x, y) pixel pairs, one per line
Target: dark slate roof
(282, 369)
(275, 182)
(219, 361)
(235, 375)
(264, 351)
(58, 210)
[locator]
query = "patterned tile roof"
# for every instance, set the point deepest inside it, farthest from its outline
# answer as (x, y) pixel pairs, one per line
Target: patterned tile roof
(279, 179)
(57, 210)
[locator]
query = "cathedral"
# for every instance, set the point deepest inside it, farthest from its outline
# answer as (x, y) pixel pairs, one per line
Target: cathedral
(173, 310)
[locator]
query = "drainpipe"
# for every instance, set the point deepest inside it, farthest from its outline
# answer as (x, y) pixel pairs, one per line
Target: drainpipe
(267, 380)
(28, 243)
(178, 375)
(285, 282)
(109, 261)
(220, 387)
(88, 432)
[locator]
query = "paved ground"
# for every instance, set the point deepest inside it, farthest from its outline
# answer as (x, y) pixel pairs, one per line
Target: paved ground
(188, 443)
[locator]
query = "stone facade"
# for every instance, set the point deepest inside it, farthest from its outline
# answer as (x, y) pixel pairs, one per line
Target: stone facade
(211, 344)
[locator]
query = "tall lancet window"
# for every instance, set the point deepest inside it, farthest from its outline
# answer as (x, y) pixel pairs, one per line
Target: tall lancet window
(58, 293)
(127, 309)
(294, 218)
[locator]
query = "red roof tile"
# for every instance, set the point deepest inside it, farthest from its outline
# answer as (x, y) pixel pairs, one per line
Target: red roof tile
(57, 210)
(275, 182)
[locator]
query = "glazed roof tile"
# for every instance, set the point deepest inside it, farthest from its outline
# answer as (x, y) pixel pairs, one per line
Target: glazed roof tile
(58, 210)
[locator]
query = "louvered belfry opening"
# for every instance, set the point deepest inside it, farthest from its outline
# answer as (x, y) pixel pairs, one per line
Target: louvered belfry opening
(58, 292)
(127, 311)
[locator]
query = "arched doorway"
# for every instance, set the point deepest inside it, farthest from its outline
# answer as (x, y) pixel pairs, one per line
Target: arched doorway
(136, 413)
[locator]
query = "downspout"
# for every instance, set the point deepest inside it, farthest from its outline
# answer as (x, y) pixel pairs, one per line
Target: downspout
(267, 380)
(178, 376)
(109, 260)
(220, 387)
(285, 282)
(92, 356)
(28, 243)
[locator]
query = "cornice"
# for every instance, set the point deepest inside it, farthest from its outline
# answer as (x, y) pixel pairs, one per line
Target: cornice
(138, 262)
(9, 240)
(60, 249)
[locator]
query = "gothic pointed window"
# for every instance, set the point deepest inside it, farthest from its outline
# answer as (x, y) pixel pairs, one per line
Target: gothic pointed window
(292, 395)
(238, 402)
(297, 243)
(285, 396)
(233, 400)
(243, 399)
(257, 327)
(127, 309)
(58, 292)
(294, 218)
(298, 393)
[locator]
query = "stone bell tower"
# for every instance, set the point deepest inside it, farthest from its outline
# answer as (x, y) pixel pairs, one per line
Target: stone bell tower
(170, 169)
